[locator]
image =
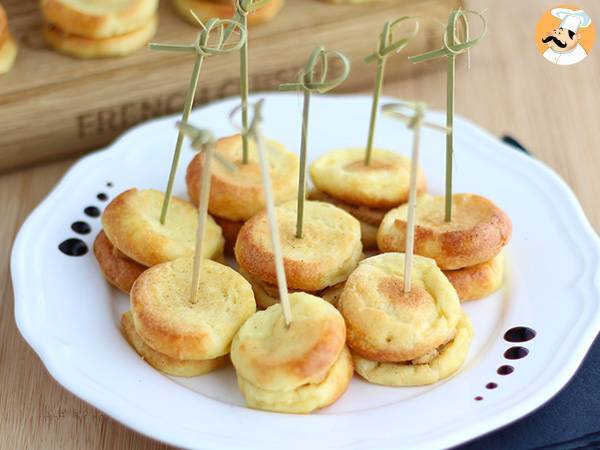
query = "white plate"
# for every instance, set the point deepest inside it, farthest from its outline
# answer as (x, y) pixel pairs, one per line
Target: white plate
(69, 314)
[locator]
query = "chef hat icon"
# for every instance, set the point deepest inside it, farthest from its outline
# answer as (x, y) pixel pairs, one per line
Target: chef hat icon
(571, 19)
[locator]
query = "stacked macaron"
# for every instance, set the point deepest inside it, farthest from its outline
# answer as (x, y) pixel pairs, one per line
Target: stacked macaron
(295, 369)
(468, 248)
(237, 195)
(324, 257)
(223, 9)
(8, 46)
(133, 239)
(176, 335)
(402, 338)
(85, 29)
(367, 192)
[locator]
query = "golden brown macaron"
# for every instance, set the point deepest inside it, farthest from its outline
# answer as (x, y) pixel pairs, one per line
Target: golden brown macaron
(293, 369)
(478, 231)
(479, 281)
(329, 250)
(168, 321)
(132, 223)
(207, 9)
(8, 54)
(164, 363)
(446, 361)
(383, 184)
(118, 269)
(91, 48)
(3, 26)
(238, 195)
(384, 323)
(99, 20)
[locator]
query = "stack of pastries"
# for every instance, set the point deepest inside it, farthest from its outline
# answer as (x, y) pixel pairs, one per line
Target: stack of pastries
(132, 238)
(349, 313)
(237, 195)
(84, 29)
(367, 192)
(223, 9)
(8, 46)
(468, 248)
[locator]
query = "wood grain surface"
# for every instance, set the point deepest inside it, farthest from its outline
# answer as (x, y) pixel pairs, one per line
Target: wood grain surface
(81, 105)
(510, 88)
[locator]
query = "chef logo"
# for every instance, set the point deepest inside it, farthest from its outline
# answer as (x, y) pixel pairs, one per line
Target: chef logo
(565, 35)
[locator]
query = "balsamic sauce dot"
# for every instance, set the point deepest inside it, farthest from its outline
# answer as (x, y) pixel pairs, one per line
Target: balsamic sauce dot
(102, 197)
(73, 247)
(516, 352)
(505, 370)
(109, 184)
(519, 334)
(491, 386)
(92, 211)
(478, 398)
(81, 227)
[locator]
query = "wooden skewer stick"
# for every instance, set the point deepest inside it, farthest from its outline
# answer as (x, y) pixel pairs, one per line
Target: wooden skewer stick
(386, 46)
(309, 82)
(415, 123)
(202, 49)
(204, 139)
(242, 9)
(452, 47)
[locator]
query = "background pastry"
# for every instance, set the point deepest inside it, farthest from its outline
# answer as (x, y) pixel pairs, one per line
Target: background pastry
(8, 46)
(84, 29)
(479, 281)
(366, 192)
(324, 257)
(223, 9)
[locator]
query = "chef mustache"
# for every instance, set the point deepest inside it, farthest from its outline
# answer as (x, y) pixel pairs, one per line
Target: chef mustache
(556, 41)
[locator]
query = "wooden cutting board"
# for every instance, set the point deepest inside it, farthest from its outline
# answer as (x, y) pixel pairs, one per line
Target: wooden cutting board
(53, 106)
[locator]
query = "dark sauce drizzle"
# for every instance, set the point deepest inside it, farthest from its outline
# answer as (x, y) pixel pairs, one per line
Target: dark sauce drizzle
(73, 247)
(81, 227)
(102, 197)
(92, 211)
(519, 334)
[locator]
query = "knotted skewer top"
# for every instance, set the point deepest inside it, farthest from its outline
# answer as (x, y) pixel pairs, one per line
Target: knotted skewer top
(202, 47)
(386, 40)
(452, 44)
(308, 80)
(399, 110)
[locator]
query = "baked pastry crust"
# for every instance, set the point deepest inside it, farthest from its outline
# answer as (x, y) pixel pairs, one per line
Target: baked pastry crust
(479, 281)
(99, 19)
(92, 48)
(383, 184)
(132, 223)
(477, 233)
(118, 269)
(230, 232)
(384, 323)
(169, 323)
(164, 363)
(207, 9)
(450, 359)
(306, 398)
(238, 195)
(274, 357)
(325, 256)
(8, 54)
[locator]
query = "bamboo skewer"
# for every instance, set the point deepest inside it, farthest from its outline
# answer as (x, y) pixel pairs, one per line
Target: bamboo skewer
(386, 46)
(414, 122)
(202, 48)
(452, 47)
(309, 82)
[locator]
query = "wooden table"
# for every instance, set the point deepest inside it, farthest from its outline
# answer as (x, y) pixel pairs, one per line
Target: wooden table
(510, 88)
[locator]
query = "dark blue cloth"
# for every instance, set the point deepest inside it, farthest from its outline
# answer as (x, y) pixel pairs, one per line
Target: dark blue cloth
(571, 420)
